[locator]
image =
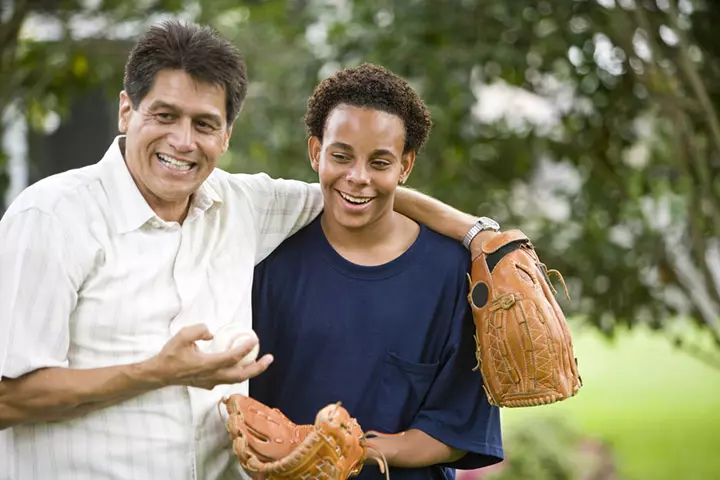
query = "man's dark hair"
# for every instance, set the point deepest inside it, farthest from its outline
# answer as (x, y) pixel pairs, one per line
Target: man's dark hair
(198, 50)
(375, 87)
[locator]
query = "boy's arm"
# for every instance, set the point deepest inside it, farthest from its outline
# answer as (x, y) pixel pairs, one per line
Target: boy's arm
(412, 449)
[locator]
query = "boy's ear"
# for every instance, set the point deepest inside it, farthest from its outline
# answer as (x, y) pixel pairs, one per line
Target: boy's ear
(407, 164)
(314, 151)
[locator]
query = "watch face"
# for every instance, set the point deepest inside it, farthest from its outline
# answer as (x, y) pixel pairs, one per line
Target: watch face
(490, 224)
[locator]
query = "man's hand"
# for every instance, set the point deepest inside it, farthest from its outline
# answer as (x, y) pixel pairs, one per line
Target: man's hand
(180, 362)
(57, 393)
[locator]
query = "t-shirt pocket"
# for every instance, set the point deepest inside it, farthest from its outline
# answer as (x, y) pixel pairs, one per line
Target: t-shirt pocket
(404, 386)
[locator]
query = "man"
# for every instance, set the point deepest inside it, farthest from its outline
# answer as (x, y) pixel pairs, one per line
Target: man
(367, 307)
(111, 273)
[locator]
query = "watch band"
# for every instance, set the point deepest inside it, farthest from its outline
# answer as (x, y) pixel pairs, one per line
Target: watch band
(483, 223)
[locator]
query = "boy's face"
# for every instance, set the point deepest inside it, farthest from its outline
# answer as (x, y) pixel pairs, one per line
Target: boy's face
(360, 163)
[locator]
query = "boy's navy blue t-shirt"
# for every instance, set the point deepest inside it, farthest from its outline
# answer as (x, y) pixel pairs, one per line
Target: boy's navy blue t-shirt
(394, 343)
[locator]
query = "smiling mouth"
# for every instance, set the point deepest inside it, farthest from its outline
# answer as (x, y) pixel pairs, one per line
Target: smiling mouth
(354, 200)
(174, 163)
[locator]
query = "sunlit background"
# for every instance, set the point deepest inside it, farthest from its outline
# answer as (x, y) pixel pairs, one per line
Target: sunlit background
(592, 125)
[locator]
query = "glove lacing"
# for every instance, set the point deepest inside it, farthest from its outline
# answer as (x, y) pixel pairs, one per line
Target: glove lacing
(377, 455)
(556, 273)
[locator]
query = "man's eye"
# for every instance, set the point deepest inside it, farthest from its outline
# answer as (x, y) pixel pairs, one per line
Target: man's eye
(340, 157)
(165, 117)
(205, 126)
(381, 165)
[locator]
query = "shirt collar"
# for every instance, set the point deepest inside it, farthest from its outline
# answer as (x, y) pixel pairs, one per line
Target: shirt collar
(205, 197)
(130, 209)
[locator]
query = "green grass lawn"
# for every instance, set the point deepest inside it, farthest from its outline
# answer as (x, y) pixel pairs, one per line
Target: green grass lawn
(656, 406)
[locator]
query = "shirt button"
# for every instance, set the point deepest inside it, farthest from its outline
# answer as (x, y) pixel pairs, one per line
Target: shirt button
(197, 435)
(155, 223)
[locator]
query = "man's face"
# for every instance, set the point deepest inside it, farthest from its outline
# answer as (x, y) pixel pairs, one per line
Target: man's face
(360, 163)
(174, 137)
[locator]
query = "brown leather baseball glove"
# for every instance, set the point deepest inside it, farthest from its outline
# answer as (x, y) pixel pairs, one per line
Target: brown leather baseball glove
(524, 346)
(267, 442)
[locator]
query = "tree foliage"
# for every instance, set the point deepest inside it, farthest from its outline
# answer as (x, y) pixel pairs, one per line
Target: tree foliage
(590, 124)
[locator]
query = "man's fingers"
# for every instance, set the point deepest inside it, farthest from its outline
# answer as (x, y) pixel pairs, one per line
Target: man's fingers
(238, 374)
(193, 333)
(234, 355)
(261, 365)
(235, 373)
(252, 370)
(256, 368)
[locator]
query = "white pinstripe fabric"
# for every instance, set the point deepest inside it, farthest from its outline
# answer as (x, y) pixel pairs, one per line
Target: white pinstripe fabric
(90, 277)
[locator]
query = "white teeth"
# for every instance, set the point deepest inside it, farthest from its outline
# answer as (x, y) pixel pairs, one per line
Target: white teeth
(173, 163)
(356, 200)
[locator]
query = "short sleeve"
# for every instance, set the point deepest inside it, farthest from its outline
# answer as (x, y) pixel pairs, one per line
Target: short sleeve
(281, 208)
(39, 281)
(456, 410)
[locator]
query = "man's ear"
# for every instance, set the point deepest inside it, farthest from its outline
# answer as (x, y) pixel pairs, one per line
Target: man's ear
(124, 111)
(228, 134)
(314, 151)
(406, 165)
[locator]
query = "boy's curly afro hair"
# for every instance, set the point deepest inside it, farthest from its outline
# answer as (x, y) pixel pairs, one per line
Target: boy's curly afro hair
(375, 87)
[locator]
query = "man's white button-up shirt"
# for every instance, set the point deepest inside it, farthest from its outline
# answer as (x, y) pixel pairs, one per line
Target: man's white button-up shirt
(91, 277)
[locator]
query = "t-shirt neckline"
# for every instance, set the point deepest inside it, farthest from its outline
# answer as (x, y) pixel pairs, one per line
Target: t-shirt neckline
(364, 272)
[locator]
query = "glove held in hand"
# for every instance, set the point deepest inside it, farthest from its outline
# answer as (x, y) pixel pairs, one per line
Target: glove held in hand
(266, 441)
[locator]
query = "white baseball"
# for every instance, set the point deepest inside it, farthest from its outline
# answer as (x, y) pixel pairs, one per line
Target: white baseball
(232, 335)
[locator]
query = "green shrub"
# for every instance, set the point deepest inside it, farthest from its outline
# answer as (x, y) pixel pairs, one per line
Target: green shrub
(548, 448)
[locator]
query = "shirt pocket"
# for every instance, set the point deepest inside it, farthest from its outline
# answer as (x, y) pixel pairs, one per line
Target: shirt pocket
(404, 386)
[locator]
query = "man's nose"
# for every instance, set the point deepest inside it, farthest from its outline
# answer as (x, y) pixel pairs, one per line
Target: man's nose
(182, 137)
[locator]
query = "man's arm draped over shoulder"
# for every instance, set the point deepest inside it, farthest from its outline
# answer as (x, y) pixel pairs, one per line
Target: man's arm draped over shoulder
(282, 207)
(440, 217)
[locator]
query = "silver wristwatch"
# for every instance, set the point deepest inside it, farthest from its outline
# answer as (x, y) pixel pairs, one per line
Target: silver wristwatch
(483, 223)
